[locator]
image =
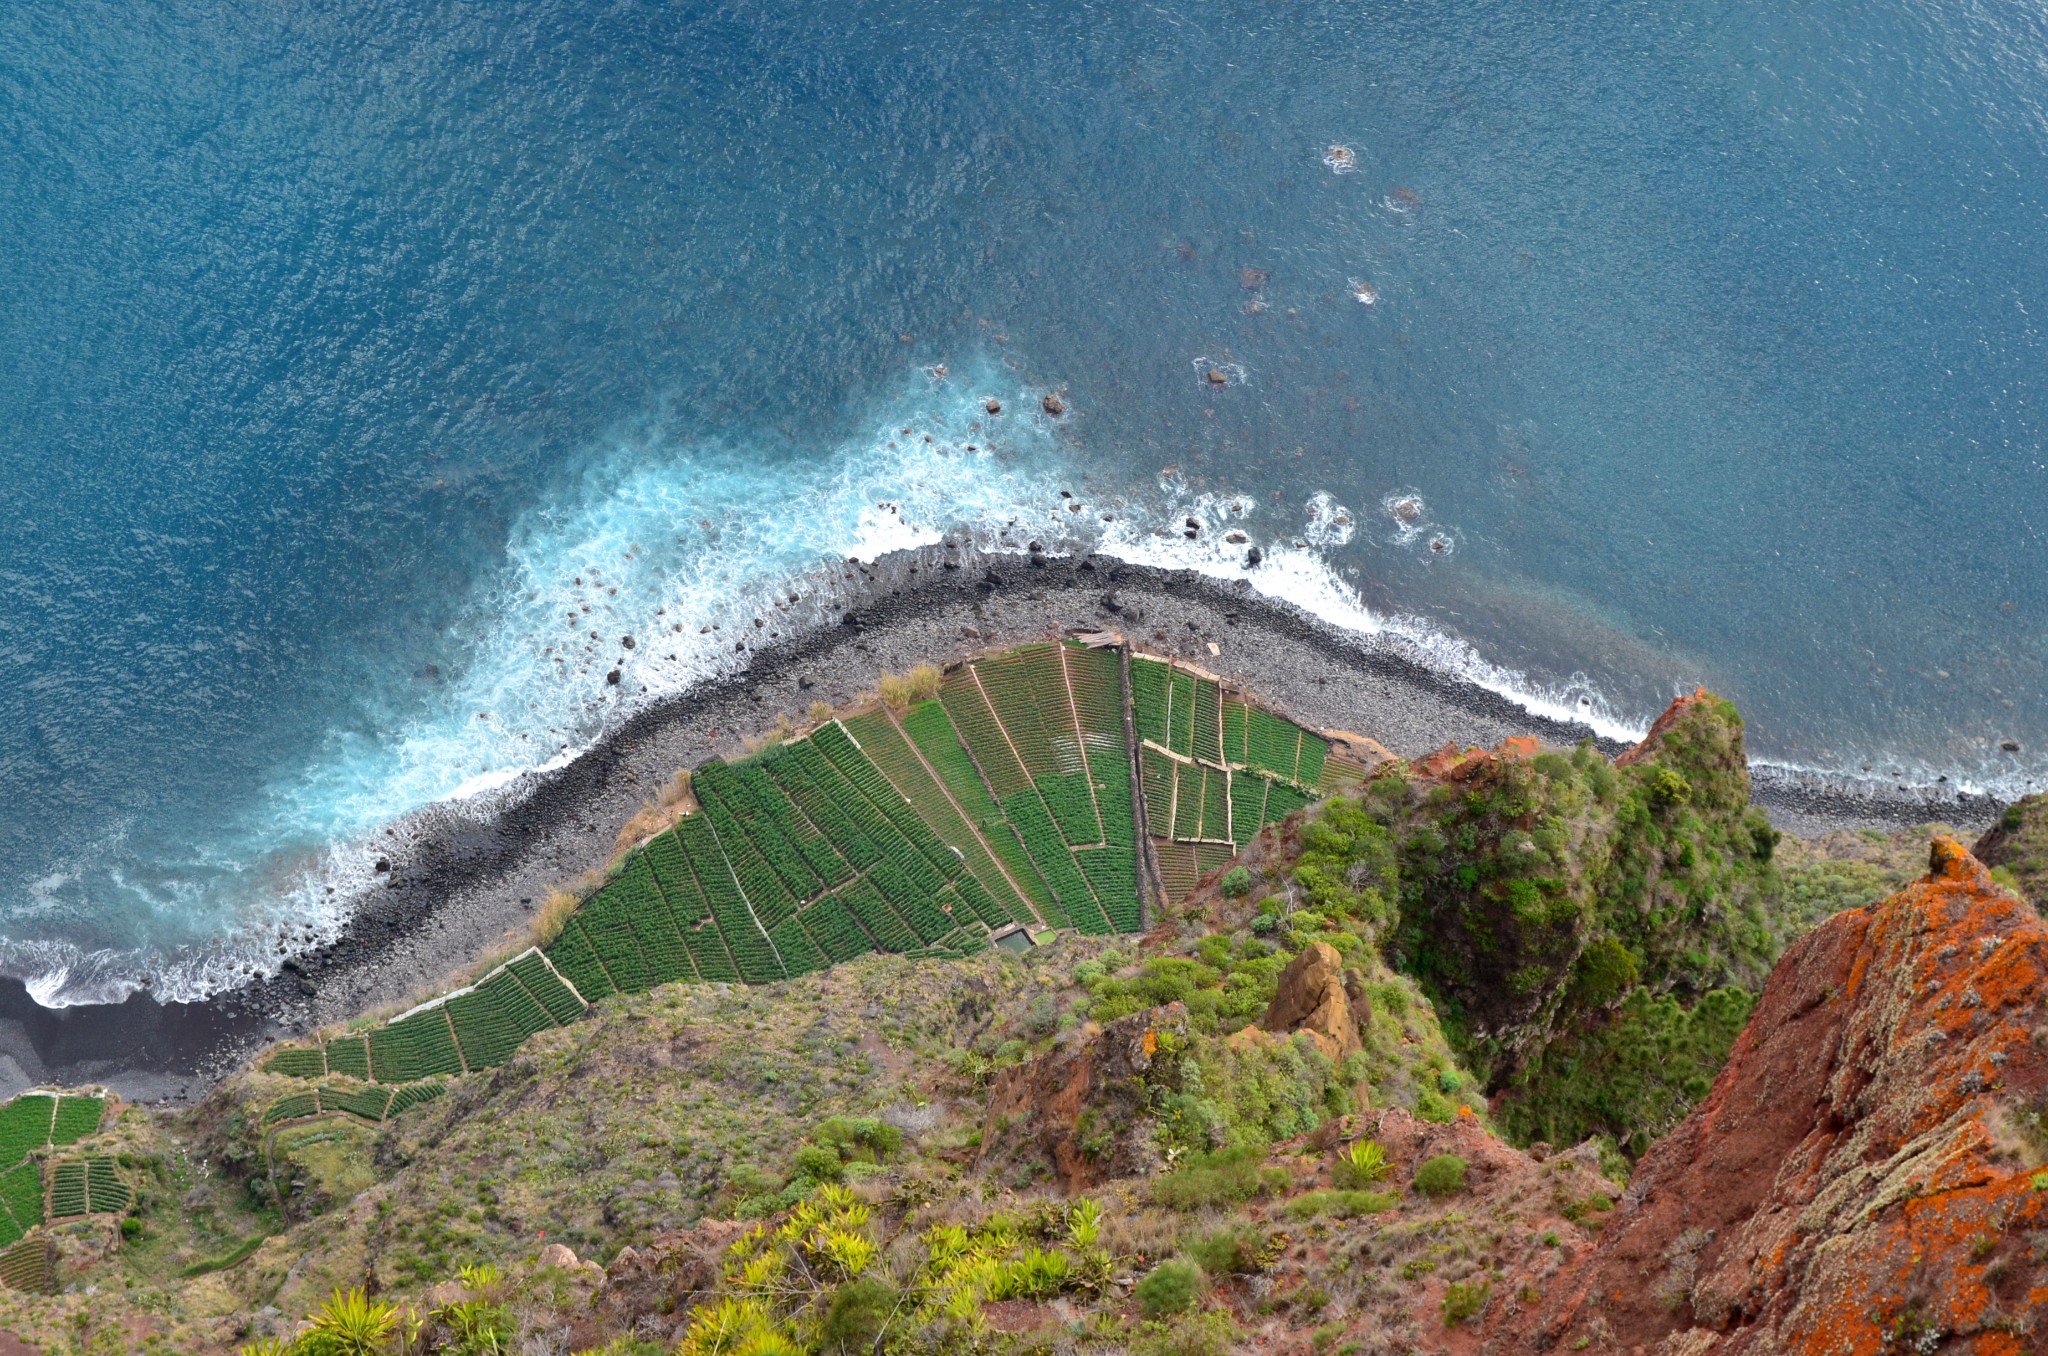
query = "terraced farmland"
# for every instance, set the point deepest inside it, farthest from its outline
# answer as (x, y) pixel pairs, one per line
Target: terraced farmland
(1216, 769)
(30, 1123)
(1007, 801)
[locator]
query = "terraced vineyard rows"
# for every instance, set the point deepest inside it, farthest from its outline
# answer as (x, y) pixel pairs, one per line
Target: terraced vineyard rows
(30, 1266)
(1005, 801)
(30, 1123)
(88, 1186)
(1217, 769)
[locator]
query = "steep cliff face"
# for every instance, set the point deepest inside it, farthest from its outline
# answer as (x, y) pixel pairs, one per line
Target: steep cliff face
(2018, 844)
(1539, 888)
(1866, 1174)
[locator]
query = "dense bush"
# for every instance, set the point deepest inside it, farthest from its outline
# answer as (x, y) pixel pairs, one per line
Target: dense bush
(1441, 1176)
(1169, 1288)
(1225, 1096)
(1230, 1177)
(1631, 1077)
(1225, 1252)
(1463, 1299)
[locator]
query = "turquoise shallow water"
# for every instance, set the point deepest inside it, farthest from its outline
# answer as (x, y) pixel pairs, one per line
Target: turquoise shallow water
(351, 348)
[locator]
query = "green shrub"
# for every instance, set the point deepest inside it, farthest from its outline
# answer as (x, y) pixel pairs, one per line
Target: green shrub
(1441, 1176)
(818, 1163)
(1236, 883)
(1228, 1251)
(1210, 1333)
(857, 1316)
(1432, 1106)
(1605, 971)
(1343, 1204)
(1463, 1299)
(856, 1138)
(1228, 1097)
(1169, 1288)
(1631, 1077)
(1229, 1177)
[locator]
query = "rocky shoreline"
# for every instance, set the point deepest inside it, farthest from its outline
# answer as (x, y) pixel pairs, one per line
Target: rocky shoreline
(466, 880)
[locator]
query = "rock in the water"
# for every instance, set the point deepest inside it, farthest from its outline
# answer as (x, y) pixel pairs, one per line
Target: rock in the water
(1052, 404)
(612, 678)
(994, 407)
(1866, 1175)
(1312, 999)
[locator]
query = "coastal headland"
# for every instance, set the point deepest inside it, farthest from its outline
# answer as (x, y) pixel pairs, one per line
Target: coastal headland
(465, 879)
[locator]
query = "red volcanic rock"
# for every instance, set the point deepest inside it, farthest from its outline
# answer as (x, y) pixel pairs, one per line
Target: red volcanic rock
(1311, 997)
(1866, 1175)
(1082, 1108)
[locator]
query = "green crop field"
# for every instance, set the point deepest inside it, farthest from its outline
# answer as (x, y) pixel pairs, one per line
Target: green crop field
(1248, 793)
(297, 1061)
(292, 1107)
(411, 1095)
(983, 737)
(21, 1193)
(76, 1118)
(28, 1266)
(67, 1190)
(25, 1126)
(1149, 695)
(1208, 739)
(372, 1104)
(415, 1047)
(576, 959)
(1010, 798)
(105, 1192)
(349, 1055)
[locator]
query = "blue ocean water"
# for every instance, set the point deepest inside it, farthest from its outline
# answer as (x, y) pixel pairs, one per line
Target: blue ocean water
(350, 350)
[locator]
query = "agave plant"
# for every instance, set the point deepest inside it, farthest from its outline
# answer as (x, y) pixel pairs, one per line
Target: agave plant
(842, 1250)
(350, 1324)
(1035, 1274)
(480, 1328)
(1365, 1162)
(1084, 1223)
(736, 1327)
(268, 1346)
(479, 1278)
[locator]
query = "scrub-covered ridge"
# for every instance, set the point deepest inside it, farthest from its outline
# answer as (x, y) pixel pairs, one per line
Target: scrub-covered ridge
(1134, 1017)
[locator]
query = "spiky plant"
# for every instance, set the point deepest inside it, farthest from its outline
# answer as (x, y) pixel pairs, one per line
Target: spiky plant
(350, 1324)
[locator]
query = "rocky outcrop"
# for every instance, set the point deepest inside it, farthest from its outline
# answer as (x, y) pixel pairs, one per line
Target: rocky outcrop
(1312, 998)
(649, 1290)
(2019, 843)
(1523, 871)
(1082, 1110)
(1867, 1174)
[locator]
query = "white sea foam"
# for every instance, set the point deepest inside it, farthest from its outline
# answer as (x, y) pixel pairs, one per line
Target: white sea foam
(699, 553)
(679, 548)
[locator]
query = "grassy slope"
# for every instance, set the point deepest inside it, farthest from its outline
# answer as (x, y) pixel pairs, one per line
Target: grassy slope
(700, 1101)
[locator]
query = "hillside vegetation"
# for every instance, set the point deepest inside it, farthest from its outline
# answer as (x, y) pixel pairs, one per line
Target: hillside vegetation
(1277, 1115)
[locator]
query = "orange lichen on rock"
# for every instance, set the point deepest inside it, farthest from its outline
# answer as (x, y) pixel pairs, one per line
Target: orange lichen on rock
(1673, 713)
(1866, 1175)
